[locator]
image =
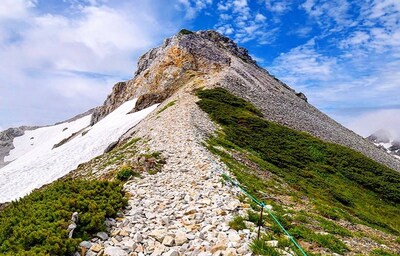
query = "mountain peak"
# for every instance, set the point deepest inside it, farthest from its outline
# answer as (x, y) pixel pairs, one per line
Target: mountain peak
(380, 136)
(206, 59)
(162, 70)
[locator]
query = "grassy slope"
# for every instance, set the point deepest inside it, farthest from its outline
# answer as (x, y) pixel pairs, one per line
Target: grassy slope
(340, 183)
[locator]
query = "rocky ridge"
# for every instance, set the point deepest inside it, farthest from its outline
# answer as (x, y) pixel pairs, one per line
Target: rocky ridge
(172, 73)
(184, 209)
(197, 56)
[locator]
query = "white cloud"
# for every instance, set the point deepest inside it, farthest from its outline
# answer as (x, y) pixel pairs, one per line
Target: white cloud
(260, 17)
(382, 8)
(330, 15)
(15, 9)
(245, 23)
(53, 65)
(303, 63)
(372, 121)
(193, 7)
(352, 67)
(302, 31)
(226, 29)
(278, 6)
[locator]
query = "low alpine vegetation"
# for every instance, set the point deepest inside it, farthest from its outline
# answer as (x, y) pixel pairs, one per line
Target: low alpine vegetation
(339, 182)
(37, 224)
(125, 173)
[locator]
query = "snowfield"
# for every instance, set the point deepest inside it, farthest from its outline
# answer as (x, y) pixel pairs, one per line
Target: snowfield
(36, 163)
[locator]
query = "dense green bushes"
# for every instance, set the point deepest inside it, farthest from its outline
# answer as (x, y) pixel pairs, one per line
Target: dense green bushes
(330, 174)
(37, 224)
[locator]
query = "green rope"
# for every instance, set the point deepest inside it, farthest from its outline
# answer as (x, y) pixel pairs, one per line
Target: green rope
(262, 205)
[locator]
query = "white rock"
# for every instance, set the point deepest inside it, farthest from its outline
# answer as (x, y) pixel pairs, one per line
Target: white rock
(180, 238)
(234, 237)
(114, 251)
(171, 253)
(138, 237)
(130, 244)
(168, 241)
(158, 234)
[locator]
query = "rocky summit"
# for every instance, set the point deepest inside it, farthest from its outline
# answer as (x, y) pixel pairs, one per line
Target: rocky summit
(206, 59)
(172, 157)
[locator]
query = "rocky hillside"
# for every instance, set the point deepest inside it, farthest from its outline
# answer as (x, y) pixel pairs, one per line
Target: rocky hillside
(220, 113)
(208, 59)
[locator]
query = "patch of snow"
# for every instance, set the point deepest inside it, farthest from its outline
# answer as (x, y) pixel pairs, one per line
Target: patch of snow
(38, 164)
(385, 145)
(43, 139)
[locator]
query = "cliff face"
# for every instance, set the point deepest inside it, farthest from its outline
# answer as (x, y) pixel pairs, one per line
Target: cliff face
(207, 59)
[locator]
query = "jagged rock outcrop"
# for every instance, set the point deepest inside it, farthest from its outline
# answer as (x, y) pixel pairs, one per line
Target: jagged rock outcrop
(6, 140)
(207, 59)
(163, 70)
(114, 99)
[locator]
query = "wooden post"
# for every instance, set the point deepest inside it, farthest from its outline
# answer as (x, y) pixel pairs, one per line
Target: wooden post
(260, 223)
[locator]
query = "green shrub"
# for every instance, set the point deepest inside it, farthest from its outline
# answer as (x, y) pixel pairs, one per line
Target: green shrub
(37, 224)
(125, 173)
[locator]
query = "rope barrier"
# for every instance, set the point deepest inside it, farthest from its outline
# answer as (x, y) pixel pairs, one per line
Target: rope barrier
(263, 206)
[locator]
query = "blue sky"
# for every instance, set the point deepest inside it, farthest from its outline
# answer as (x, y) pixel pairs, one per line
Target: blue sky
(59, 58)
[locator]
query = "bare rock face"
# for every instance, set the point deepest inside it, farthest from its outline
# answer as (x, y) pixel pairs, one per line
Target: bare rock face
(302, 96)
(6, 140)
(115, 98)
(163, 70)
(206, 59)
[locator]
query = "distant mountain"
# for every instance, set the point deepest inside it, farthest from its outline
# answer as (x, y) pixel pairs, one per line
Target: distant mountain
(6, 140)
(383, 139)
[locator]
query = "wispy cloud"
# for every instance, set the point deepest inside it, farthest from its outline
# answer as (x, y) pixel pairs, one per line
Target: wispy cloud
(304, 64)
(278, 6)
(239, 20)
(193, 7)
(351, 68)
